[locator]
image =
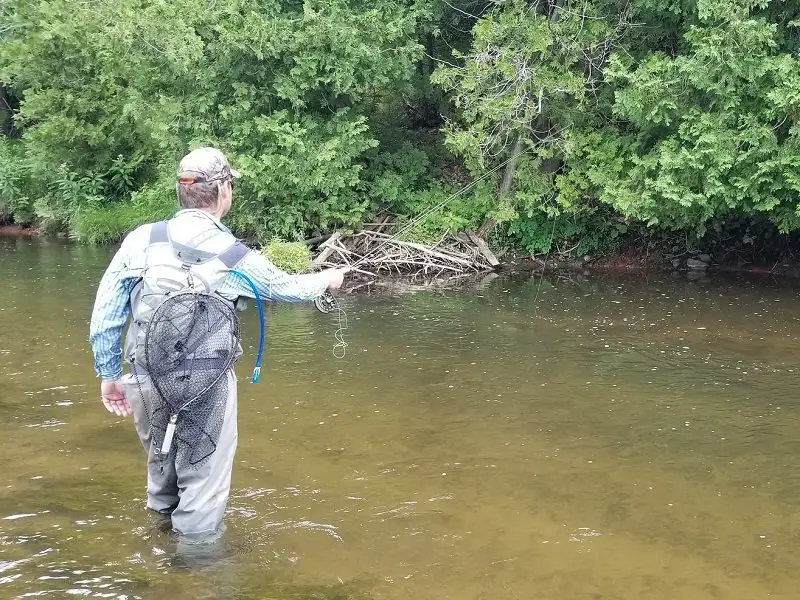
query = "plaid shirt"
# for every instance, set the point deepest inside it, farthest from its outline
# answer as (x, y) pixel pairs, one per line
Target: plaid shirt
(112, 303)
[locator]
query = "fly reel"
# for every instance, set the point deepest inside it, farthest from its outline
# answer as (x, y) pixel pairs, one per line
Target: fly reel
(326, 303)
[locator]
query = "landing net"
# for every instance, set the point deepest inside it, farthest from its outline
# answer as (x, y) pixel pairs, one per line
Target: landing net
(191, 343)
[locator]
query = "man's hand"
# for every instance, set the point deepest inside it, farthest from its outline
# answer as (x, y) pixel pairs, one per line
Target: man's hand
(336, 277)
(114, 398)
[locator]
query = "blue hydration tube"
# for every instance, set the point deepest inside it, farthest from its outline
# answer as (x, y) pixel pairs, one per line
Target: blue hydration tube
(257, 369)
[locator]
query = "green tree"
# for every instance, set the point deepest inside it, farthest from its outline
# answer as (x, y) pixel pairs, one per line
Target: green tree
(530, 78)
(114, 91)
(708, 134)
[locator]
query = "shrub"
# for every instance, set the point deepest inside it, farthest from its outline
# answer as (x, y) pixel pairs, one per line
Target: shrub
(292, 257)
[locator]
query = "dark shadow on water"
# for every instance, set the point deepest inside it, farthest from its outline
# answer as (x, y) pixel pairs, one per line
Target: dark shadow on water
(197, 556)
(219, 564)
(207, 560)
(305, 592)
(189, 553)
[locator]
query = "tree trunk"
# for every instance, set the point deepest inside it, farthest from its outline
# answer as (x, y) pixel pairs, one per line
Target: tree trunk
(427, 60)
(505, 185)
(508, 175)
(6, 122)
(554, 6)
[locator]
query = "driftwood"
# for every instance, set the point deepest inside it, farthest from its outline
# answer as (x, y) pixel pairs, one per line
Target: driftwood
(328, 247)
(374, 253)
(483, 247)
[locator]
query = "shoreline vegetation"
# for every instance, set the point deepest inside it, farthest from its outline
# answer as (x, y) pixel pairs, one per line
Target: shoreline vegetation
(545, 134)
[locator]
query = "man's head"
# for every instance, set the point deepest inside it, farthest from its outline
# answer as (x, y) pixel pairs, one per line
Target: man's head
(205, 181)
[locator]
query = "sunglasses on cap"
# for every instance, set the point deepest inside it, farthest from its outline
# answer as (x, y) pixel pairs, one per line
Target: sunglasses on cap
(225, 176)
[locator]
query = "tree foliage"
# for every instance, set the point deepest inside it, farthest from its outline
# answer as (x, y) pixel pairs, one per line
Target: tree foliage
(710, 133)
(115, 91)
(584, 119)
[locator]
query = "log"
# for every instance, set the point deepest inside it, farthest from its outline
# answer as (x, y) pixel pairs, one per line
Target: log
(483, 247)
(426, 250)
(327, 249)
(319, 239)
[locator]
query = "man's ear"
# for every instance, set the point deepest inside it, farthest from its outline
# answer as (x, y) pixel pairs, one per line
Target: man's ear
(224, 199)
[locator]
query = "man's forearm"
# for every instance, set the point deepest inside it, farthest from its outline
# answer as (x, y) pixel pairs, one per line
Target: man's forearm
(109, 316)
(105, 336)
(273, 283)
(107, 356)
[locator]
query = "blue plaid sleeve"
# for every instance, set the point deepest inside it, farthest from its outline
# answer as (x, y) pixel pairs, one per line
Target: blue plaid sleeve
(109, 315)
(273, 283)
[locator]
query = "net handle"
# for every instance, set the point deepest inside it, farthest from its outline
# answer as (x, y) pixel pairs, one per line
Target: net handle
(257, 369)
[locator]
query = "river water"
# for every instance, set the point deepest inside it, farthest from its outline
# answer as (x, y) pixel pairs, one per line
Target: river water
(587, 438)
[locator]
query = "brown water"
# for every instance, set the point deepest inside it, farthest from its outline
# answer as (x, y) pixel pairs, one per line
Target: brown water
(617, 439)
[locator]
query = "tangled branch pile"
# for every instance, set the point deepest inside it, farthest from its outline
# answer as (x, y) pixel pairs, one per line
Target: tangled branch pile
(374, 253)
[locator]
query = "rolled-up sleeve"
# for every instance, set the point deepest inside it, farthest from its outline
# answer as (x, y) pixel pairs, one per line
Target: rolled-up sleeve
(109, 315)
(273, 283)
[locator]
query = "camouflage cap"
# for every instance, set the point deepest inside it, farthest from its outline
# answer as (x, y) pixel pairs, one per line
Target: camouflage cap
(205, 164)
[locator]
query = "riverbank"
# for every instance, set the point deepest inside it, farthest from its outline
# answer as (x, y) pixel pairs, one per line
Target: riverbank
(632, 259)
(637, 263)
(777, 256)
(18, 231)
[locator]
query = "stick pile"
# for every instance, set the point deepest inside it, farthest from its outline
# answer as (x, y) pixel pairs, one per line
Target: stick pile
(374, 253)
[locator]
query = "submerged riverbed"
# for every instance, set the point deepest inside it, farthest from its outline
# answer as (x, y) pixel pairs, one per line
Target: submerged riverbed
(625, 438)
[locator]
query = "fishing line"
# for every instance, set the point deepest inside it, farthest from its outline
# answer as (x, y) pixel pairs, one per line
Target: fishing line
(340, 347)
(328, 302)
(408, 226)
(544, 266)
(325, 304)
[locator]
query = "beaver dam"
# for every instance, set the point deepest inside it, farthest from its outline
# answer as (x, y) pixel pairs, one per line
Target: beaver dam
(373, 254)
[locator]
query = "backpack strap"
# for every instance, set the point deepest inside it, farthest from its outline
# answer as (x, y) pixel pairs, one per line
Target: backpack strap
(234, 255)
(158, 233)
(191, 255)
(230, 257)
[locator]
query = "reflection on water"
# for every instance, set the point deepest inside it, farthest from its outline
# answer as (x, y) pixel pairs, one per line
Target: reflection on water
(618, 438)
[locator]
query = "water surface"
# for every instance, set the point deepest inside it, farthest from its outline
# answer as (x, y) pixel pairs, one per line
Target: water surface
(584, 438)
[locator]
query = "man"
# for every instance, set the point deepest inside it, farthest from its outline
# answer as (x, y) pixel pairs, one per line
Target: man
(194, 497)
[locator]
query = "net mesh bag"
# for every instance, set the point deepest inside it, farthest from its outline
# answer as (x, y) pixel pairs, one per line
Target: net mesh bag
(190, 345)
